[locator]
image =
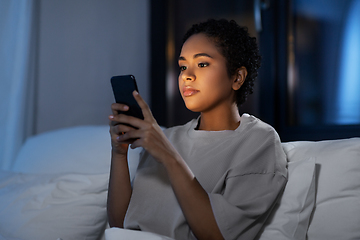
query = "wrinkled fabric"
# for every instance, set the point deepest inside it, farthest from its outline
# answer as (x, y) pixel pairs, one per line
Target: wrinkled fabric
(243, 171)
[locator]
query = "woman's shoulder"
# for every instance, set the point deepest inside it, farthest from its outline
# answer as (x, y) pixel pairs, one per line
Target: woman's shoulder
(250, 123)
(262, 138)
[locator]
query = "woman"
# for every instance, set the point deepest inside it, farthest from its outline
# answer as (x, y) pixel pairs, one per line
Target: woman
(216, 177)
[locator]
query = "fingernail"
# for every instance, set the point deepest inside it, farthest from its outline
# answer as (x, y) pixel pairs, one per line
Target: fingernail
(136, 92)
(111, 117)
(126, 107)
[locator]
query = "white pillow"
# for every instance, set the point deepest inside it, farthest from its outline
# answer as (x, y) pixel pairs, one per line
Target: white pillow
(291, 215)
(48, 207)
(337, 210)
(82, 149)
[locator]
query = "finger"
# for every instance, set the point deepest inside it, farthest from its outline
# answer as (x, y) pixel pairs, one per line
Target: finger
(118, 140)
(120, 129)
(117, 134)
(116, 107)
(126, 141)
(126, 119)
(128, 137)
(143, 105)
(112, 123)
(117, 129)
(135, 144)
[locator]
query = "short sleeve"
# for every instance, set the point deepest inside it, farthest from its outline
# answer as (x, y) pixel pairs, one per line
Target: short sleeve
(242, 209)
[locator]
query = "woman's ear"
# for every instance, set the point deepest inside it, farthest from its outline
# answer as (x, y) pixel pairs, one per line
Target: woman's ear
(240, 75)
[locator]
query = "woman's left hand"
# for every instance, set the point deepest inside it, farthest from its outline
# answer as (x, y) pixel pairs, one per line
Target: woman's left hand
(149, 134)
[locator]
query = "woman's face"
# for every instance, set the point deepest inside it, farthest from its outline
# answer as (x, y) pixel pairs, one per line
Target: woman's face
(204, 83)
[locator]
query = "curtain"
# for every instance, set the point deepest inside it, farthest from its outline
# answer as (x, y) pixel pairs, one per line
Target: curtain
(16, 77)
(348, 99)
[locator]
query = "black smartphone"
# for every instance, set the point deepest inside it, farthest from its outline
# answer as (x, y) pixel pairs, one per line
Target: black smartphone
(123, 87)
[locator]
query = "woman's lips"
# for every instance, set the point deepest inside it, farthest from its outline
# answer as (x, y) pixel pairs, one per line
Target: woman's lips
(189, 91)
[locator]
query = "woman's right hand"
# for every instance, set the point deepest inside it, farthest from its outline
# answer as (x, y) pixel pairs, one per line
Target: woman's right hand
(117, 129)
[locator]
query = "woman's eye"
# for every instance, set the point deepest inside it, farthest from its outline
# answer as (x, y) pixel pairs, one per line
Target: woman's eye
(182, 68)
(201, 65)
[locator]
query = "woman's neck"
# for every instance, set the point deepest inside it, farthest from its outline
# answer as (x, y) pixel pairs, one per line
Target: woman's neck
(223, 119)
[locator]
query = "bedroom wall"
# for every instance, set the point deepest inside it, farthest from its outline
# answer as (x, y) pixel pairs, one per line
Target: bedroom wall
(81, 44)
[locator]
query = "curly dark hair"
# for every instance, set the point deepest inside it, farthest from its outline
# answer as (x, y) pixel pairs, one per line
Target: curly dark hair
(238, 48)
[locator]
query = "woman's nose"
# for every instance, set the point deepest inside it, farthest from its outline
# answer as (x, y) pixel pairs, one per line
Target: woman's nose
(188, 76)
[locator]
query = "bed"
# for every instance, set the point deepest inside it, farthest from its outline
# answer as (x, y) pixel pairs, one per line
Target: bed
(57, 189)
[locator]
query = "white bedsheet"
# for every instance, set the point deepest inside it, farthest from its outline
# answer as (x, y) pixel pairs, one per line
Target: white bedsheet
(52, 206)
(125, 234)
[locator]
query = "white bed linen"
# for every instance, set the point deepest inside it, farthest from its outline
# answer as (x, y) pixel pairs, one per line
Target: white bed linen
(52, 206)
(126, 234)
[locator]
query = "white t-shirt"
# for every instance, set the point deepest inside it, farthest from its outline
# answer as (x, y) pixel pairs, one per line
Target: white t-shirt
(243, 171)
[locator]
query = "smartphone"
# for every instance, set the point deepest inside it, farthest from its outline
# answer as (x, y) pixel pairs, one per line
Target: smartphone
(123, 87)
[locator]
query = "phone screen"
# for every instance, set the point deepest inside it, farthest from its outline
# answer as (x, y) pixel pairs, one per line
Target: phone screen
(123, 87)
